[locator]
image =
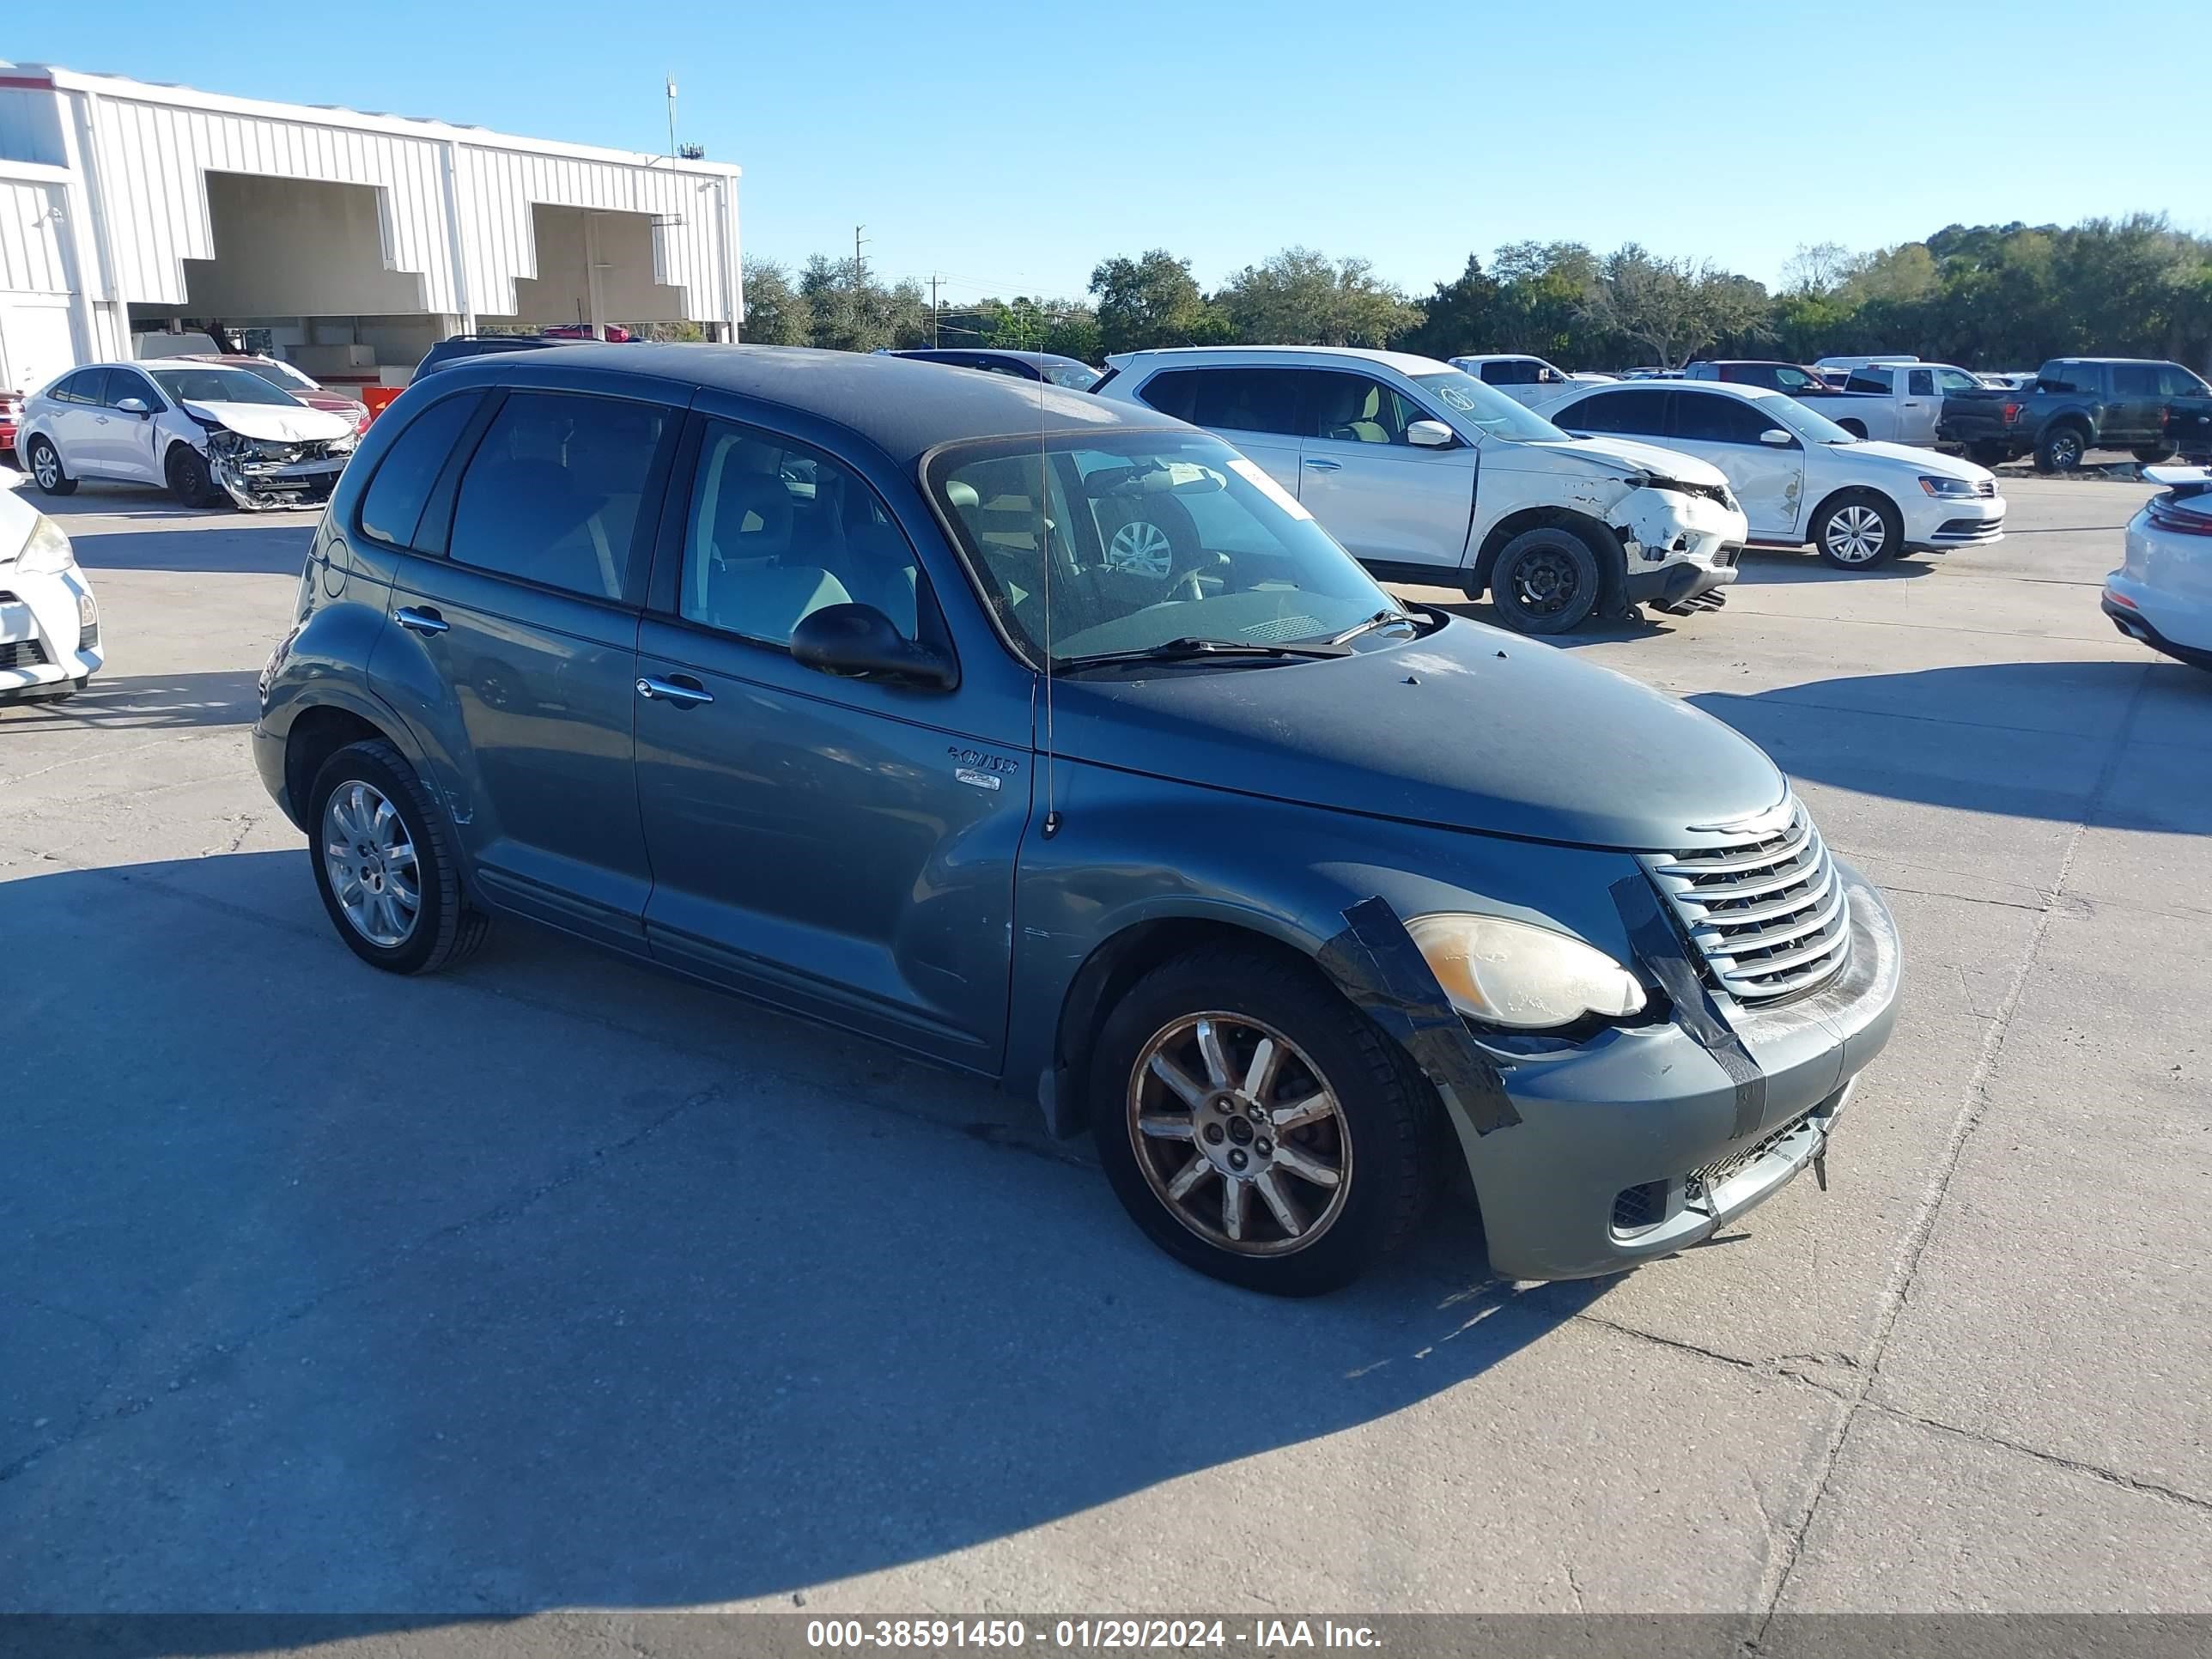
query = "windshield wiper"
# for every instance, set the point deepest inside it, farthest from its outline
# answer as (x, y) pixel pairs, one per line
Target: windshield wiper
(1197, 650)
(1380, 619)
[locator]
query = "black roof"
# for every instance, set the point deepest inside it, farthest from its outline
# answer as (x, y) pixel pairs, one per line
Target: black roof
(953, 354)
(904, 407)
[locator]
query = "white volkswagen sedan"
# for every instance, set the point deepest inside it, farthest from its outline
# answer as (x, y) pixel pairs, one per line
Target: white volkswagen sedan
(2161, 594)
(1800, 476)
(210, 432)
(49, 621)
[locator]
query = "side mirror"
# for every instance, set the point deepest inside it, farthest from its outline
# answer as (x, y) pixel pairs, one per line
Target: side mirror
(1775, 435)
(133, 406)
(858, 642)
(1430, 435)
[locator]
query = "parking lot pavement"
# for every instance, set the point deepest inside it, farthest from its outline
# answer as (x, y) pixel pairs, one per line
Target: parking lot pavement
(555, 1284)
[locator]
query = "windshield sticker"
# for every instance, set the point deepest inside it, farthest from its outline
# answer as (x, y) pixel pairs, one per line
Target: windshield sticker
(1252, 473)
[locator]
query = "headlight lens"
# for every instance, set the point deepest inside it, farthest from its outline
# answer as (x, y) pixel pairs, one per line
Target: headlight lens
(48, 552)
(1946, 486)
(1508, 973)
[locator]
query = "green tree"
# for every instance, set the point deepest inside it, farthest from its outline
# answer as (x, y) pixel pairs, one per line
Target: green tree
(852, 311)
(1300, 297)
(775, 312)
(1154, 300)
(1459, 317)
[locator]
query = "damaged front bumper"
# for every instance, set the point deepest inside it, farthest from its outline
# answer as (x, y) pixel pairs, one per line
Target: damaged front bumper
(259, 475)
(1681, 547)
(1633, 1144)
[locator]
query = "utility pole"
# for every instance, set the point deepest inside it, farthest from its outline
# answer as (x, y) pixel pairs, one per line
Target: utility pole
(932, 311)
(857, 240)
(671, 118)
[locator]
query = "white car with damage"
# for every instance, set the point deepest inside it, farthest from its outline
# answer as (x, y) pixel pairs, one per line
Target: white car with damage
(1428, 475)
(1800, 478)
(49, 621)
(210, 434)
(2161, 594)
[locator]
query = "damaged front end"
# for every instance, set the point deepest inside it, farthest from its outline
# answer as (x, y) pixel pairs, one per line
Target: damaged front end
(1682, 540)
(262, 473)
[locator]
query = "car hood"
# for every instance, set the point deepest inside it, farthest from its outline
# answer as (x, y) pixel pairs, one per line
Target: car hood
(1469, 728)
(1933, 463)
(276, 422)
(1622, 457)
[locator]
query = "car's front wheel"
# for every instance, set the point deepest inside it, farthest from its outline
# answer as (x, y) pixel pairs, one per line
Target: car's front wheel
(189, 479)
(46, 469)
(1256, 1126)
(385, 864)
(1859, 530)
(1547, 580)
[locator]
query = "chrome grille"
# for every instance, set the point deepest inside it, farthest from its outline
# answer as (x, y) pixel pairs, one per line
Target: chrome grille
(1767, 913)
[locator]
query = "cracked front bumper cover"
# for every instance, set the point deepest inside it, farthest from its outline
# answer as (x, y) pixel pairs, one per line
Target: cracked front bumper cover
(257, 481)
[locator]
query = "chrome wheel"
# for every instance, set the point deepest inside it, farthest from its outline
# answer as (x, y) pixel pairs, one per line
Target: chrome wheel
(1142, 549)
(1856, 535)
(370, 860)
(46, 465)
(1238, 1135)
(2065, 451)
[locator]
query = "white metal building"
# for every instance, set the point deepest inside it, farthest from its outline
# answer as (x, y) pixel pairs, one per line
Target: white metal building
(345, 241)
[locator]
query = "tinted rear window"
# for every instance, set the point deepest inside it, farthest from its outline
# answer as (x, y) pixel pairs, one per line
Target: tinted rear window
(393, 506)
(1236, 399)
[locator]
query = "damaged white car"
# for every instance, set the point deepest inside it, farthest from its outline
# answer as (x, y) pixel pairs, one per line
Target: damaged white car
(1429, 476)
(208, 434)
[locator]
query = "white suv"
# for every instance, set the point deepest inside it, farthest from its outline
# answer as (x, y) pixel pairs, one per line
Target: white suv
(1428, 475)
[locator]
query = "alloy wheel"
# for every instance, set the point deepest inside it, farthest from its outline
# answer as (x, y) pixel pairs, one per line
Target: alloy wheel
(46, 465)
(1238, 1135)
(371, 862)
(2065, 451)
(1856, 535)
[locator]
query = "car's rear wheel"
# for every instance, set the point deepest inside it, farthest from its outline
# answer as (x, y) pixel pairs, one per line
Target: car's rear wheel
(2061, 449)
(2152, 454)
(1256, 1126)
(46, 469)
(385, 864)
(1856, 427)
(1859, 530)
(1547, 580)
(190, 481)
(1991, 455)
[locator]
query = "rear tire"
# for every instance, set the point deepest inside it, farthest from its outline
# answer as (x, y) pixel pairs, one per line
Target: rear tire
(2153, 454)
(1856, 429)
(1988, 454)
(1547, 580)
(2060, 449)
(1379, 1135)
(444, 927)
(1859, 530)
(189, 480)
(46, 469)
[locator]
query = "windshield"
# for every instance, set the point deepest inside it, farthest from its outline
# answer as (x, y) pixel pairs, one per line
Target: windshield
(281, 374)
(1150, 536)
(1077, 377)
(218, 385)
(1474, 403)
(1814, 429)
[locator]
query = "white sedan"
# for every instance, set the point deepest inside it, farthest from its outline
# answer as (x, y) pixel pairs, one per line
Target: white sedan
(1800, 476)
(2161, 594)
(209, 431)
(49, 621)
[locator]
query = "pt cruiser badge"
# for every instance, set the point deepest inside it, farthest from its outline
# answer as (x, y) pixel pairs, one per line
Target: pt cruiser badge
(980, 770)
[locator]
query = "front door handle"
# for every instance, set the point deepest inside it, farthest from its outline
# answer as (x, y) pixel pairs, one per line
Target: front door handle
(421, 619)
(1326, 466)
(682, 693)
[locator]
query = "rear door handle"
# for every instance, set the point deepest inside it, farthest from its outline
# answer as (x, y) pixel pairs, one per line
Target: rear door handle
(421, 619)
(682, 693)
(1326, 466)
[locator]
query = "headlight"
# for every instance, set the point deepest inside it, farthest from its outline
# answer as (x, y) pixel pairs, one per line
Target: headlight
(1947, 486)
(342, 446)
(1508, 973)
(48, 553)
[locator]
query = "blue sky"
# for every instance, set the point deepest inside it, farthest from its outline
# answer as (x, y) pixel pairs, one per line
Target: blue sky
(1012, 146)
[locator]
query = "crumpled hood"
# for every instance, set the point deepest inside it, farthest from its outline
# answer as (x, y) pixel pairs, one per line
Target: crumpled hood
(274, 422)
(1471, 728)
(1621, 457)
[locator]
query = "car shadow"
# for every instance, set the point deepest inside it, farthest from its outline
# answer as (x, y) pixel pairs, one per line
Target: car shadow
(151, 702)
(462, 1294)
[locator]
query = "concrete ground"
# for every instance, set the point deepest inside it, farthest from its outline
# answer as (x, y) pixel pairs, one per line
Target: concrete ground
(556, 1283)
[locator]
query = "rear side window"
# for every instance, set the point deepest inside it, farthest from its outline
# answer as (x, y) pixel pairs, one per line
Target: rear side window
(1870, 380)
(551, 495)
(1641, 412)
(1707, 419)
(2071, 377)
(82, 387)
(2134, 380)
(392, 506)
(1237, 399)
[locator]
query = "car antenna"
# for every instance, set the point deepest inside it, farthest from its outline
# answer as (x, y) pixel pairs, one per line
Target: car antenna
(1044, 549)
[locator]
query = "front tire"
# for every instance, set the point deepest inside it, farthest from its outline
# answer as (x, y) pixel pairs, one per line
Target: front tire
(189, 480)
(46, 469)
(1547, 580)
(2060, 449)
(1859, 530)
(385, 863)
(1257, 1126)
